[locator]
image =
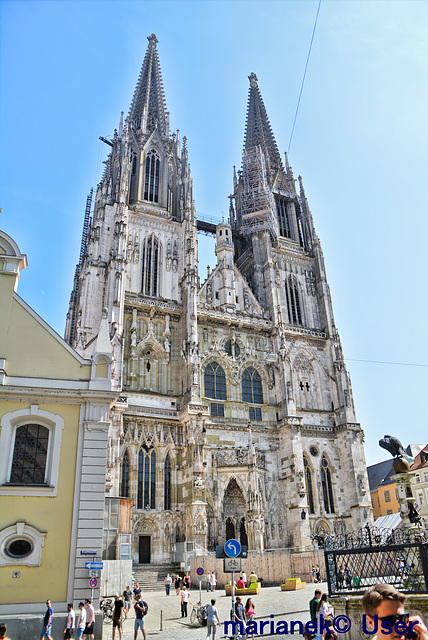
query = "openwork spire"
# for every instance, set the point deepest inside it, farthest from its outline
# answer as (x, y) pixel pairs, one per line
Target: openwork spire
(258, 130)
(149, 98)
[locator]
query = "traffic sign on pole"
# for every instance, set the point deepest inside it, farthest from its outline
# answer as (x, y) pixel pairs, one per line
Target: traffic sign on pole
(93, 565)
(231, 565)
(93, 582)
(232, 548)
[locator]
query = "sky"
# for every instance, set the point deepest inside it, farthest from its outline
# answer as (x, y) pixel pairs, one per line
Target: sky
(360, 143)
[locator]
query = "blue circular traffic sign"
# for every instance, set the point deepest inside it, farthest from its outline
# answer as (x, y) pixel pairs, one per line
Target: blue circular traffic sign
(200, 571)
(232, 548)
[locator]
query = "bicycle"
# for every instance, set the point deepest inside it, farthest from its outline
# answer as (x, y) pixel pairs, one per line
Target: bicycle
(107, 610)
(199, 613)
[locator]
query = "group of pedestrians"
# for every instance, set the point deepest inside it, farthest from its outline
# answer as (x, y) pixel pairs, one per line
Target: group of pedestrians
(347, 579)
(211, 581)
(82, 620)
(122, 606)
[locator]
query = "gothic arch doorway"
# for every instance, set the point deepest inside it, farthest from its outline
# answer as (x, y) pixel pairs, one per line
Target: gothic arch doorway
(234, 509)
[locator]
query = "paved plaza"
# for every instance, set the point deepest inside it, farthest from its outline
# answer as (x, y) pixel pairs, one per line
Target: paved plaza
(284, 605)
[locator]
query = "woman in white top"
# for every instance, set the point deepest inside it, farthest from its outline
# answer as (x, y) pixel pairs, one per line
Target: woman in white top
(185, 594)
(213, 581)
(323, 608)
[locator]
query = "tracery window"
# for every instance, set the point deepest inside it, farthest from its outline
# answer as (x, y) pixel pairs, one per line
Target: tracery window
(309, 491)
(215, 381)
(150, 259)
(283, 218)
(30, 455)
(167, 484)
(228, 348)
(293, 301)
(124, 492)
(252, 390)
(134, 179)
(151, 183)
(327, 490)
(146, 492)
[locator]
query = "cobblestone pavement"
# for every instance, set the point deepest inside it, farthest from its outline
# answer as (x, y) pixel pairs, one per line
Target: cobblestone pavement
(284, 605)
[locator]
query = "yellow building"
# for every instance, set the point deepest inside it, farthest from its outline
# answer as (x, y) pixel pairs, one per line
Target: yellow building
(383, 489)
(54, 417)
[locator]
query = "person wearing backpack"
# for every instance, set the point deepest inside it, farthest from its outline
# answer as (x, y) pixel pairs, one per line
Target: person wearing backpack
(141, 609)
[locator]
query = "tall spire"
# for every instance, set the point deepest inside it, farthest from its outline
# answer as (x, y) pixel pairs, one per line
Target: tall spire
(258, 130)
(149, 98)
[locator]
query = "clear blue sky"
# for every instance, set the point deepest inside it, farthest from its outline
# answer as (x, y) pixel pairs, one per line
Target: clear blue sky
(69, 68)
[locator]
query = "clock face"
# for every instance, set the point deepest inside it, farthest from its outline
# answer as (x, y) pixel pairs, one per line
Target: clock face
(313, 451)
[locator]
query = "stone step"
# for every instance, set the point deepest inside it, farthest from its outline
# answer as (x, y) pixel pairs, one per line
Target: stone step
(151, 577)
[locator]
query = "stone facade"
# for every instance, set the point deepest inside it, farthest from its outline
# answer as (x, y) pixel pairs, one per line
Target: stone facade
(236, 415)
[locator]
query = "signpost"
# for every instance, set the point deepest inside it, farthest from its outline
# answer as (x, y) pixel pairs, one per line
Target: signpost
(93, 565)
(200, 572)
(232, 549)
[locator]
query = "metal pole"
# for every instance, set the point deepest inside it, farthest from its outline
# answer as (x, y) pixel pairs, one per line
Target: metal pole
(200, 591)
(161, 621)
(232, 613)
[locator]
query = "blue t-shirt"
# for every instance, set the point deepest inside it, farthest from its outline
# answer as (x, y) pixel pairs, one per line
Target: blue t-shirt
(48, 614)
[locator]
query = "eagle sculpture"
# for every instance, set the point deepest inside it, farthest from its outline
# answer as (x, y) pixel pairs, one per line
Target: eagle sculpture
(402, 461)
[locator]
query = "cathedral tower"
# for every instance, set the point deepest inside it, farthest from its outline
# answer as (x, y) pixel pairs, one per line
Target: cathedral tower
(236, 416)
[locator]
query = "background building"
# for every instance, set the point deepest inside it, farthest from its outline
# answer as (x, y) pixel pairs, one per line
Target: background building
(419, 469)
(54, 416)
(236, 416)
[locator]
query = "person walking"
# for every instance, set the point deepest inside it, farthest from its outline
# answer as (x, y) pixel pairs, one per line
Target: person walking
(213, 581)
(209, 585)
(118, 614)
(212, 620)
(239, 618)
(185, 594)
(140, 611)
(167, 582)
(244, 577)
(69, 625)
(323, 608)
(81, 621)
(177, 584)
(137, 590)
(187, 581)
(318, 573)
(90, 620)
(47, 622)
(250, 612)
(127, 597)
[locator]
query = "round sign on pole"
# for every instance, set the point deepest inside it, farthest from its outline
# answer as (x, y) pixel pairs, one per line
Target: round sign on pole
(93, 582)
(200, 571)
(232, 548)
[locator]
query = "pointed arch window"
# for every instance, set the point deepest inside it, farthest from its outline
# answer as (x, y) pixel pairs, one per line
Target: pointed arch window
(215, 381)
(252, 390)
(146, 496)
(167, 484)
(124, 488)
(309, 490)
(151, 259)
(327, 489)
(151, 183)
(283, 218)
(293, 301)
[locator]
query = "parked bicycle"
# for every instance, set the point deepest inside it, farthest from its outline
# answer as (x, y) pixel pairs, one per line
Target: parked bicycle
(199, 613)
(107, 610)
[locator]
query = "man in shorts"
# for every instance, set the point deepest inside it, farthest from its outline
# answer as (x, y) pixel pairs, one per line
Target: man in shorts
(90, 620)
(69, 625)
(81, 621)
(385, 615)
(127, 596)
(117, 616)
(140, 612)
(46, 631)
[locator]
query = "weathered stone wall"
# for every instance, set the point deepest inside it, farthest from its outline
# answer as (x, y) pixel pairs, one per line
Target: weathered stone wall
(272, 566)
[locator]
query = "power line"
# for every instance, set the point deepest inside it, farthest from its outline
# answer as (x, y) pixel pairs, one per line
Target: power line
(401, 364)
(304, 76)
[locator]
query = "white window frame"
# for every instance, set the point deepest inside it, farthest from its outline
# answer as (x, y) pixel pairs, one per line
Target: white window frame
(9, 424)
(18, 531)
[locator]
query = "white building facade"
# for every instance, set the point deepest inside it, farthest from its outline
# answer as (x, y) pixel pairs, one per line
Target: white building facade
(236, 415)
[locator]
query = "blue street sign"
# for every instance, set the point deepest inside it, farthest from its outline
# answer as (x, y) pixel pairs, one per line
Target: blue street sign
(232, 548)
(93, 565)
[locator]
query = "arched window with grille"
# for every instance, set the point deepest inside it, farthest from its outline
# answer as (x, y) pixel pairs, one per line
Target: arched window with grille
(309, 491)
(146, 493)
(151, 182)
(167, 484)
(150, 272)
(293, 301)
(327, 490)
(30, 455)
(252, 390)
(124, 488)
(215, 381)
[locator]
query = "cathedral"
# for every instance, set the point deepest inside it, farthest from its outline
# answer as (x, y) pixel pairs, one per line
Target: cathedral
(235, 416)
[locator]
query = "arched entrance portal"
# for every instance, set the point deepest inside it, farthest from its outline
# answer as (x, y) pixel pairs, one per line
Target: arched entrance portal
(234, 509)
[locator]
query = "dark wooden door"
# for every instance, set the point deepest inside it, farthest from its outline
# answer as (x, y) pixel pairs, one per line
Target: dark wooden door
(144, 549)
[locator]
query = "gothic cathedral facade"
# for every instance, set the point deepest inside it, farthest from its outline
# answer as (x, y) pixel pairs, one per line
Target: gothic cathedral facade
(235, 416)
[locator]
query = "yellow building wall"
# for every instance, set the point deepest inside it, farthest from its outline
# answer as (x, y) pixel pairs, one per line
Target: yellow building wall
(31, 350)
(51, 514)
(380, 504)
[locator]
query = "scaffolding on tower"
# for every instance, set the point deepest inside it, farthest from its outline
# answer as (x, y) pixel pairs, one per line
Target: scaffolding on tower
(258, 206)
